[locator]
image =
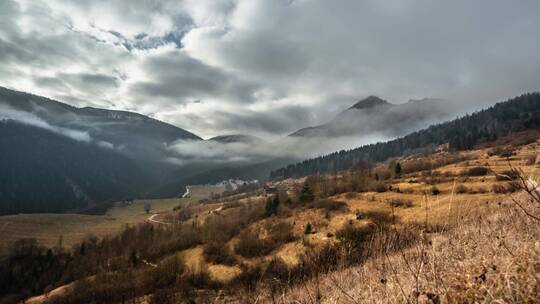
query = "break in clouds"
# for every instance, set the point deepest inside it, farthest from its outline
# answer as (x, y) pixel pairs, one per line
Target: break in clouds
(262, 67)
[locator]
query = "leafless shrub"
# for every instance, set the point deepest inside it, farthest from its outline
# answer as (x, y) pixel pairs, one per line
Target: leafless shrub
(476, 171)
(329, 205)
(507, 175)
(351, 195)
(481, 190)
(281, 232)
(460, 189)
(249, 245)
(218, 253)
(501, 152)
(530, 187)
(380, 187)
(381, 218)
(504, 188)
(423, 164)
(401, 203)
(530, 160)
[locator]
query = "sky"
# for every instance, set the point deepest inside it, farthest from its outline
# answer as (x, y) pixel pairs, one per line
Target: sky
(267, 67)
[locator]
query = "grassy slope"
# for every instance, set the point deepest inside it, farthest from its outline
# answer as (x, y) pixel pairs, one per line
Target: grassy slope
(490, 257)
(447, 209)
(444, 207)
(469, 245)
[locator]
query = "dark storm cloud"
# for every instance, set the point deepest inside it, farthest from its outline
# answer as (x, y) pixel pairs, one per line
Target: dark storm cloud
(179, 78)
(270, 122)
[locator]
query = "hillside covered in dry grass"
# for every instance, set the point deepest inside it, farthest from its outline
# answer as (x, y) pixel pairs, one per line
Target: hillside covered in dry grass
(439, 227)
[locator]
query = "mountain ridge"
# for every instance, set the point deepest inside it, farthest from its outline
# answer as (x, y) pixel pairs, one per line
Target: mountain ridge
(375, 115)
(235, 138)
(512, 115)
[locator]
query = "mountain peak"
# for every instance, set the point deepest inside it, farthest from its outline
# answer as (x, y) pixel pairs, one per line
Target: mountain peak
(370, 102)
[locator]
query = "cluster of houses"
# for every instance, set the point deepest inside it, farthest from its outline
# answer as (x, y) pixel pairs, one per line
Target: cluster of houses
(233, 184)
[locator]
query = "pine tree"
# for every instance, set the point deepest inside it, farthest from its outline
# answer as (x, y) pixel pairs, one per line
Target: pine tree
(272, 204)
(306, 195)
(397, 169)
(133, 258)
(308, 229)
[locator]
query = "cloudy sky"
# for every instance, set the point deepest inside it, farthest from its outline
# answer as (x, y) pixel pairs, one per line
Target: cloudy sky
(266, 66)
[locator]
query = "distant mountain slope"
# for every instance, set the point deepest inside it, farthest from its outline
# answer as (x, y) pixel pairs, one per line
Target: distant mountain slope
(42, 171)
(56, 157)
(136, 135)
(375, 115)
(517, 114)
(236, 138)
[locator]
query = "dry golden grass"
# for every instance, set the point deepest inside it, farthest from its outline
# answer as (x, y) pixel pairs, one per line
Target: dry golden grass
(480, 251)
(47, 228)
(492, 257)
(73, 228)
(443, 210)
(222, 273)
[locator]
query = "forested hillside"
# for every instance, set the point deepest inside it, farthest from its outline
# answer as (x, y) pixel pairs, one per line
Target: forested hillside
(42, 171)
(516, 114)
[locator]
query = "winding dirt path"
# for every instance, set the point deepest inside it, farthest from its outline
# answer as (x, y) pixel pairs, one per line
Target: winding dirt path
(152, 219)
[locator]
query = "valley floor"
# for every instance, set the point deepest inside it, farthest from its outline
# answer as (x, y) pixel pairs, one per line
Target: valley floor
(49, 229)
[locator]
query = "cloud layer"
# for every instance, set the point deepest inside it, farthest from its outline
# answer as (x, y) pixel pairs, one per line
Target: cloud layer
(266, 67)
(7, 113)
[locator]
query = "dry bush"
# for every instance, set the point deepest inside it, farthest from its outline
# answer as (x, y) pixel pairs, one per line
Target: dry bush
(481, 190)
(507, 175)
(218, 253)
(183, 214)
(199, 277)
(425, 164)
(383, 173)
(435, 191)
(221, 228)
(504, 188)
(164, 296)
(476, 171)
(401, 203)
(501, 152)
(460, 189)
(351, 195)
(530, 160)
(281, 232)
(524, 139)
(250, 277)
(381, 218)
(249, 245)
(380, 187)
(407, 190)
(217, 230)
(329, 205)
(167, 272)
